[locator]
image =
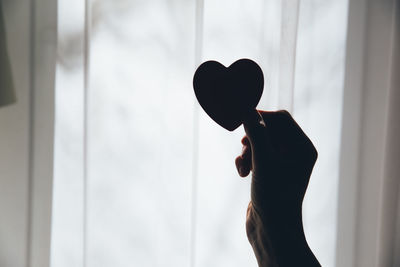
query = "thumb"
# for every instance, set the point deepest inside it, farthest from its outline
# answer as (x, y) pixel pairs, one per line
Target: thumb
(254, 127)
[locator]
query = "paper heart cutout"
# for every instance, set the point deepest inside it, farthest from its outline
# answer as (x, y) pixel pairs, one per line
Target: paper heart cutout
(227, 95)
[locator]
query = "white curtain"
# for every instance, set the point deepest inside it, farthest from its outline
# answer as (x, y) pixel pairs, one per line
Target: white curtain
(142, 176)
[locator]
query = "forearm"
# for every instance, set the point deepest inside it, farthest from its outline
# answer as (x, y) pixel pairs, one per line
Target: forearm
(279, 241)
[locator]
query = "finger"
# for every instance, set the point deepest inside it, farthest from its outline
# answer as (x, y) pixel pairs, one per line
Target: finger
(246, 152)
(283, 128)
(258, 132)
(247, 158)
(242, 166)
(254, 127)
(239, 163)
(244, 161)
(245, 141)
(268, 115)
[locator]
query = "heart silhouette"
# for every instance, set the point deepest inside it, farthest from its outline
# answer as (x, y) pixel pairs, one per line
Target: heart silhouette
(227, 95)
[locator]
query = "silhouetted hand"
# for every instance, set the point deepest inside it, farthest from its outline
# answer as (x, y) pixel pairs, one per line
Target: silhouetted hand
(281, 158)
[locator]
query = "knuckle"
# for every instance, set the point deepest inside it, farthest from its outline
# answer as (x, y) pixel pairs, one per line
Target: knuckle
(284, 113)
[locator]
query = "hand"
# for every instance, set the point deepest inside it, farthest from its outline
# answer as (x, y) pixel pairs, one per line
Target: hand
(281, 158)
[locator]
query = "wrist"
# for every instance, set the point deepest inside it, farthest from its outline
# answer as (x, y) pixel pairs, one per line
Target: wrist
(278, 240)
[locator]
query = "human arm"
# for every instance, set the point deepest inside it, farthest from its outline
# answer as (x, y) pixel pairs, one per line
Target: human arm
(281, 158)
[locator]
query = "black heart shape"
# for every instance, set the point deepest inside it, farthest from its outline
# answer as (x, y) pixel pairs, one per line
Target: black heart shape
(227, 95)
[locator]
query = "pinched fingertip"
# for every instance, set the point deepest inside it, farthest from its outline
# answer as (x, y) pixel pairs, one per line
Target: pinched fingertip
(242, 166)
(253, 118)
(254, 126)
(246, 152)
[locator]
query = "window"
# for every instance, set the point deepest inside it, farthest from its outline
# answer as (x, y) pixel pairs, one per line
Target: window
(161, 186)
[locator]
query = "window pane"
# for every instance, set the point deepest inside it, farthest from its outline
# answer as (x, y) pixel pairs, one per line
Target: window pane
(140, 131)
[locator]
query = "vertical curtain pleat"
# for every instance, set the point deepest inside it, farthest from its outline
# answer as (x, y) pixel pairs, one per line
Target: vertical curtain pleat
(198, 49)
(85, 144)
(287, 55)
(69, 219)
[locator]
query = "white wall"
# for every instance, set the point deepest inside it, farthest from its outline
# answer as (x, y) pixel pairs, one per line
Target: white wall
(26, 135)
(369, 177)
(14, 141)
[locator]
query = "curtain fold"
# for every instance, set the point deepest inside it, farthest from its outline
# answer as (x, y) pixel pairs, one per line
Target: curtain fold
(287, 53)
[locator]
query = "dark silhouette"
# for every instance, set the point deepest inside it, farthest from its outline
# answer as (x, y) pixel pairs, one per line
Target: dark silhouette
(227, 94)
(281, 158)
(276, 151)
